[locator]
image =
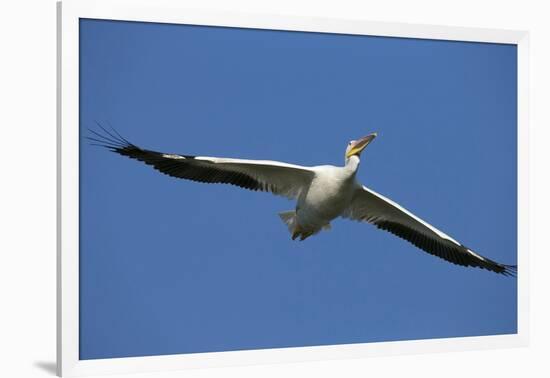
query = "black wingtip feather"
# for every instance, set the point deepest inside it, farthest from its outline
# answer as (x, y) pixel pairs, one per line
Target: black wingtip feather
(108, 140)
(510, 270)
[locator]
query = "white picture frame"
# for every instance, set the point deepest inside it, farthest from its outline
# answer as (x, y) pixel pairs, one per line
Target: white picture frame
(170, 11)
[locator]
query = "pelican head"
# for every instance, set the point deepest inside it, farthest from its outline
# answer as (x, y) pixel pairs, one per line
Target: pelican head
(355, 147)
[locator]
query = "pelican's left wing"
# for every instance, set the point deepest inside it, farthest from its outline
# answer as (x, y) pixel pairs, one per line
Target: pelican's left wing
(369, 206)
(283, 179)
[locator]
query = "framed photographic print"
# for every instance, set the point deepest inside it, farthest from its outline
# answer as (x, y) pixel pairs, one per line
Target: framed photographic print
(253, 188)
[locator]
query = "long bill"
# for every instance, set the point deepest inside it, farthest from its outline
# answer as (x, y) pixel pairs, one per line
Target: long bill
(360, 145)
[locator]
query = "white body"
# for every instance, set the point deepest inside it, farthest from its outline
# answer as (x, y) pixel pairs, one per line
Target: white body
(327, 197)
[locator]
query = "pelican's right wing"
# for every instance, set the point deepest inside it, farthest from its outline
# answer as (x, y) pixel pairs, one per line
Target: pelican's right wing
(279, 178)
(385, 214)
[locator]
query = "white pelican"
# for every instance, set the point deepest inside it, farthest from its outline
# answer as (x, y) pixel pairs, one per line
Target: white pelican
(323, 193)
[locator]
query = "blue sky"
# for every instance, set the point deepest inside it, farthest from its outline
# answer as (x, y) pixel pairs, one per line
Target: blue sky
(170, 266)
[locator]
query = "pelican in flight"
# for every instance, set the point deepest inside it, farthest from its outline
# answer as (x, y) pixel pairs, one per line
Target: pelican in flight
(322, 193)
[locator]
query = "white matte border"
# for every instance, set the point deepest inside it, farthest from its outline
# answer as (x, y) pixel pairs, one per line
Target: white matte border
(170, 11)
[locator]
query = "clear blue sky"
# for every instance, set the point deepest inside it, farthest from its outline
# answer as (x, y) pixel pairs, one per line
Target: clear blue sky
(171, 266)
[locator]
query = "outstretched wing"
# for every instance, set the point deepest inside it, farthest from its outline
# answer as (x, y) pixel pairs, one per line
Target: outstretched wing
(279, 178)
(385, 214)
